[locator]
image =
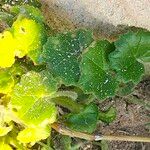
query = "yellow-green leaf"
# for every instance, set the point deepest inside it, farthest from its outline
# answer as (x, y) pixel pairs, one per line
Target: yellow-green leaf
(6, 81)
(4, 130)
(27, 34)
(29, 97)
(7, 49)
(33, 134)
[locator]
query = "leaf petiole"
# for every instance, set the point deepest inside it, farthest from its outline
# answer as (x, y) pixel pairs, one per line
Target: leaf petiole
(65, 131)
(68, 103)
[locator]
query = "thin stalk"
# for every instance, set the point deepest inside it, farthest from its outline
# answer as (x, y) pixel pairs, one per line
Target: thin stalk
(125, 138)
(65, 131)
(70, 94)
(48, 142)
(68, 103)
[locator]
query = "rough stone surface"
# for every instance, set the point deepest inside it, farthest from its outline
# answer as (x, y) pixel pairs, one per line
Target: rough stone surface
(104, 16)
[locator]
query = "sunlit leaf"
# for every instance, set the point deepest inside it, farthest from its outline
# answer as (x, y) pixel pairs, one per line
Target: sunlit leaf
(33, 134)
(4, 130)
(29, 97)
(6, 81)
(26, 36)
(4, 146)
(29, 36)
(7, 49)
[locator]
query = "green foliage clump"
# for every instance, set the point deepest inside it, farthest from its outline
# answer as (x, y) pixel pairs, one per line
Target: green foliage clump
(39, 73)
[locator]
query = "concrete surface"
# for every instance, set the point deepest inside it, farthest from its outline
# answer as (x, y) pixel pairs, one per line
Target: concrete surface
(103, 16)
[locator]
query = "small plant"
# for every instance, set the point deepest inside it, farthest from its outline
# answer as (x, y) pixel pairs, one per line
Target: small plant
(40, 70)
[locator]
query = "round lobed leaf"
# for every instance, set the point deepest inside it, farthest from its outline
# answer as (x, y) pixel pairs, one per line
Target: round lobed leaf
(29, 97)
(61, 53)
(96, 76)
(27, 34)
(132, 49)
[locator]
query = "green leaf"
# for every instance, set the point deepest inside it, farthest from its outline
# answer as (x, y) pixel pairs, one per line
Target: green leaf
(66, 142)
(28, 11)
(21, 67)
(126, 89)
(96, 76)
(109, 115)
(18, 68)
(104, 145)
(29, 98)
(147, 69)
(132, 49)
(47, 148)
(62, 142)
(85, 121)
(61, 53)
(6, 81)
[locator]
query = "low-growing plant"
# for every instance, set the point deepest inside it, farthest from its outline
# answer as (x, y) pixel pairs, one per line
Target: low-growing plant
(41, 72)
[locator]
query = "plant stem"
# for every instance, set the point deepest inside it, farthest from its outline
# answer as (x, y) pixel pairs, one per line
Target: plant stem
(65, 131)
(70, 94)
(125, 138)
(68, 103)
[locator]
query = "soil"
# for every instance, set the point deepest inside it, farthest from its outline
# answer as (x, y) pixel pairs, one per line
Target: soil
(131, 118)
